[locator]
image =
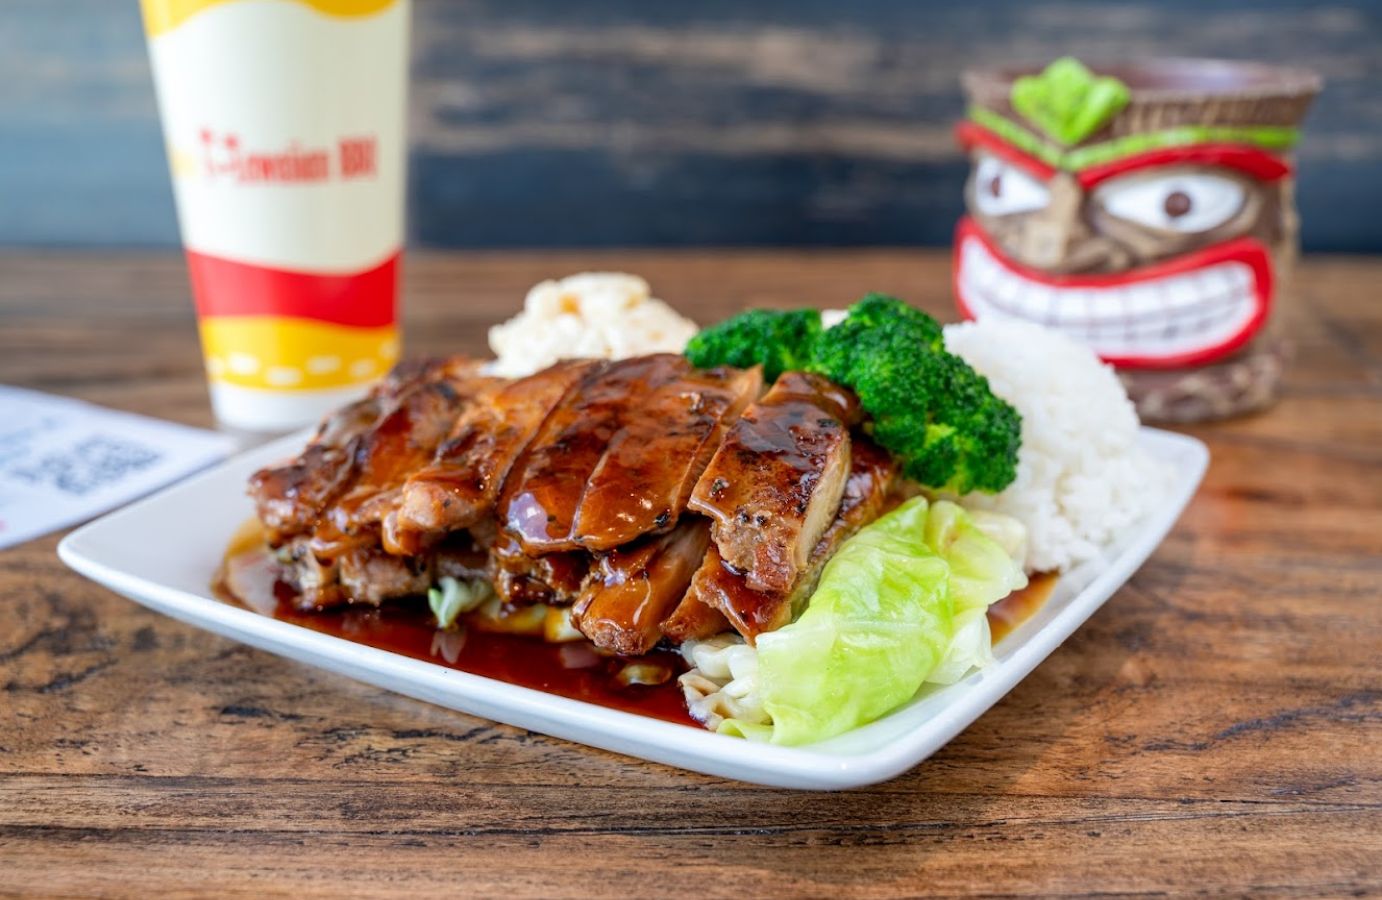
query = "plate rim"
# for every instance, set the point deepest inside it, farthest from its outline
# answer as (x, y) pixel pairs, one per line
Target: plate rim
(631, 734)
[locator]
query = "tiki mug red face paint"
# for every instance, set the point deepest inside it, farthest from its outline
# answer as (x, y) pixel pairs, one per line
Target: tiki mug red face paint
(1146, 210)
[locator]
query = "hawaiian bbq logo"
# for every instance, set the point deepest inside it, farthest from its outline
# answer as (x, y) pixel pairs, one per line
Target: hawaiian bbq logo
(1152, 245)
(225, 158)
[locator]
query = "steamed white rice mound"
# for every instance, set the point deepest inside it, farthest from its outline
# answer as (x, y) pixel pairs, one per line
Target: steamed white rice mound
(1082, 479)
(598, 315)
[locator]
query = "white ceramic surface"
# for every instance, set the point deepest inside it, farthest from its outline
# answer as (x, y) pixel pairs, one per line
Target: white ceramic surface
(161, 552)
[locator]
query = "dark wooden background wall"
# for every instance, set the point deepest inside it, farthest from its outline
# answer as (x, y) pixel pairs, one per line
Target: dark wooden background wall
(628, 122)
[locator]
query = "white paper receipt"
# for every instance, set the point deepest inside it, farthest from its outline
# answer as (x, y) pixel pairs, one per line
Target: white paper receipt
(63, 461)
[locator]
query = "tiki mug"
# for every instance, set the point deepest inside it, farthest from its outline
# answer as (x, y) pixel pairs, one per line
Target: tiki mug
(1146, 210)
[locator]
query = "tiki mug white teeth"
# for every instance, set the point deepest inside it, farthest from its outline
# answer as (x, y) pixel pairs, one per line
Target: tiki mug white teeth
(1145, 209)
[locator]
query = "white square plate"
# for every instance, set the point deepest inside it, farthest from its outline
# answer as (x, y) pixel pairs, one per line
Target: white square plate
(163, 551)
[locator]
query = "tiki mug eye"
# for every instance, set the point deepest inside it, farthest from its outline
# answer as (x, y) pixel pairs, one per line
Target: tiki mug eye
(1001, 188)
(1184, 203)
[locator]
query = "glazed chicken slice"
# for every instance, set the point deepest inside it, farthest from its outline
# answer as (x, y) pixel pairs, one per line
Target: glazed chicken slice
(401, 441)
(724, 589)
(632, 589)
(646, 474)
(371, 576)
(317, 582)
(461, 556)
(774, 485)
(365, 574)
(719, 586)
(291, 497)
(463, 481)
(540, 499)
(554, 578)
(868, 495)
(694, 619)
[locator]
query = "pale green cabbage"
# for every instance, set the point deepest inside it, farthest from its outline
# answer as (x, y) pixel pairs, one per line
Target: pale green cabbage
(983, 553)
(453, 597)
(902, 601)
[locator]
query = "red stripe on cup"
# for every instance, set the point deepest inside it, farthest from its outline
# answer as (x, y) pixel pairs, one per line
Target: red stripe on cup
(224, 287)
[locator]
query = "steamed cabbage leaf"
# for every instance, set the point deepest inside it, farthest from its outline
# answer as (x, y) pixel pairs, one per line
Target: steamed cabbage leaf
(885, 617)
(982, 551)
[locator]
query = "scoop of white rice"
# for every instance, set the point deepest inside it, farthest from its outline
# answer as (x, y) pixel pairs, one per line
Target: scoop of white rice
(1082, 479)
(599, 315)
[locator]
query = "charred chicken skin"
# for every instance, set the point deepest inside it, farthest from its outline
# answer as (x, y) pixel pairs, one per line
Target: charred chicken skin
(659, 501)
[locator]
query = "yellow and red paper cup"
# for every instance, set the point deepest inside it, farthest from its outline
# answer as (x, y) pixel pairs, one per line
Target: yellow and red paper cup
(285, 127)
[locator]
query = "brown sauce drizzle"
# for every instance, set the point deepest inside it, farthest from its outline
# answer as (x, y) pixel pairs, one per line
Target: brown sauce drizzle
(1019, 606)
(571, 669)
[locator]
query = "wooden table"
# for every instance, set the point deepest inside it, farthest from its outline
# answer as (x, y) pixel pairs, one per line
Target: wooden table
(1216, 727)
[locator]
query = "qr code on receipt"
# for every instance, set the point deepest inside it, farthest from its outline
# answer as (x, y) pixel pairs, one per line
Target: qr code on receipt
(88, 465)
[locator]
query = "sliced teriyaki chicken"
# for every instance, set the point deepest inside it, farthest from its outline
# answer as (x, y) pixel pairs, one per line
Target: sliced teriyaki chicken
(366, 450)
(460, 556)
(553, 578)
(646, 474)
(694, 619)
(369, 575)
(572, 486)
(463, 481)
(774, 485)
(291, 497)
(401, 441)
(540, 499)
(868, 494)
(365, 574)
(631, 589)
(724, 589)
(317, 581)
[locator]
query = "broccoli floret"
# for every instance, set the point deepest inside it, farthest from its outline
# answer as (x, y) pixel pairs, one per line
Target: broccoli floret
(779, 341)
(929, 408)
(880, 310)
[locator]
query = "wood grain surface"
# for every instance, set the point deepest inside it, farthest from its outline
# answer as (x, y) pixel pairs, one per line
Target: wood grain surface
(1214, 729)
